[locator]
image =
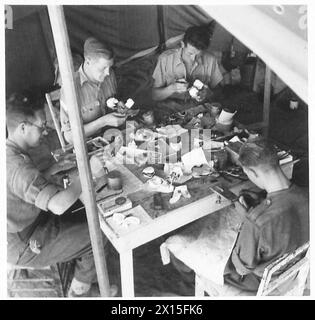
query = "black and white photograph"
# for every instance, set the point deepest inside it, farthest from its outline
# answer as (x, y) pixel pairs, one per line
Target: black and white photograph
(156, 150)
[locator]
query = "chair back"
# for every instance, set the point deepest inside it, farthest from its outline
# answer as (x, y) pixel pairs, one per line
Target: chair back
(292, 266)
(55, 115)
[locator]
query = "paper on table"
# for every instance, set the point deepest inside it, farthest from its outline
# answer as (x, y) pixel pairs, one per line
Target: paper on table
(205, 246)
(123, 229)
(196, 157)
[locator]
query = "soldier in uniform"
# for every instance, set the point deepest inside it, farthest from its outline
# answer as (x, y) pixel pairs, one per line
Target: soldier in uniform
(272, 226)
(178, 68)
(277, 225)
(96, 83)
(41, 229)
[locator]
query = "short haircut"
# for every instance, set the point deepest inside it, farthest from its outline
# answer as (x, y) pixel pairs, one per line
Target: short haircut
(198, 37)
(258, 153)
(93, 48)
(20, 108)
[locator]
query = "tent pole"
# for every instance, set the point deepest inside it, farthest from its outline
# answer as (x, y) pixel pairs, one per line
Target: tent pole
(161, 28)
(58, 24)
(266, 110)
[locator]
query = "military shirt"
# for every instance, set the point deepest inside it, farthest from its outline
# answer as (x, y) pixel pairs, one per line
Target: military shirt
(92, 98)
(28, 192)
(276, 226)
(170, 67)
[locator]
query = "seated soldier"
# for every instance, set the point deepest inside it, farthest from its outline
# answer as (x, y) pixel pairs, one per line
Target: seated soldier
(41, 230)
(279, 224)
(95, 82)
(273, 226)
(177, 69)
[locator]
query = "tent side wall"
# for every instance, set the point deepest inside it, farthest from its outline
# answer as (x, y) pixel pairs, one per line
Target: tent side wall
(129, 29)
(27, 57)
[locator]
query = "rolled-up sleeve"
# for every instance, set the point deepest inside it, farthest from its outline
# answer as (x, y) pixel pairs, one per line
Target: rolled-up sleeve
(29, 185)
(44, 196)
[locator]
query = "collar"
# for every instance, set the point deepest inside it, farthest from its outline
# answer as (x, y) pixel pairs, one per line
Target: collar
(83, 77)
(178, 56)
(274, 193)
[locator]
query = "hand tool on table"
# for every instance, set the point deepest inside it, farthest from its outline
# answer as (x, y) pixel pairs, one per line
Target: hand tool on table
(235, 172)
(224, 176)
(224, 192)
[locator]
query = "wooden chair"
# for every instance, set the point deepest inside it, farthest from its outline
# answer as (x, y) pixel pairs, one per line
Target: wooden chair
(51, 97)
(286, 276)
(294, 265)
(49, 281)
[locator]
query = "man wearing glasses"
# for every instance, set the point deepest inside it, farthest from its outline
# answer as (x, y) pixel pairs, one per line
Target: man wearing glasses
(95, 82)
(41, 229)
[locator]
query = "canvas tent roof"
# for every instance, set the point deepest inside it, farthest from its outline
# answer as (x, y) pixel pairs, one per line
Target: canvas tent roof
(278, 34)
(275, 33)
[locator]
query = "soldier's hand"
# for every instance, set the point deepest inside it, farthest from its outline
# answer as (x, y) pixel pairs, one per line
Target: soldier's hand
(113, 120)
(179, 87)
(239, 207)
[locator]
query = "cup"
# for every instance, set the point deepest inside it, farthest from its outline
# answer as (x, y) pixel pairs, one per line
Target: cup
(226, 116)
(114, 180)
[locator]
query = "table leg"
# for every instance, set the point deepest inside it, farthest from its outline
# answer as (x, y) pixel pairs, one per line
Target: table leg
(126, 271)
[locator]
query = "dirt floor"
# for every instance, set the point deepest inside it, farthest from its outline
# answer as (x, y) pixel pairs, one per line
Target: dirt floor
(152, 279)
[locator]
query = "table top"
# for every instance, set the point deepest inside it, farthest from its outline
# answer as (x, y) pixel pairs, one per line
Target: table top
(155, 223)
